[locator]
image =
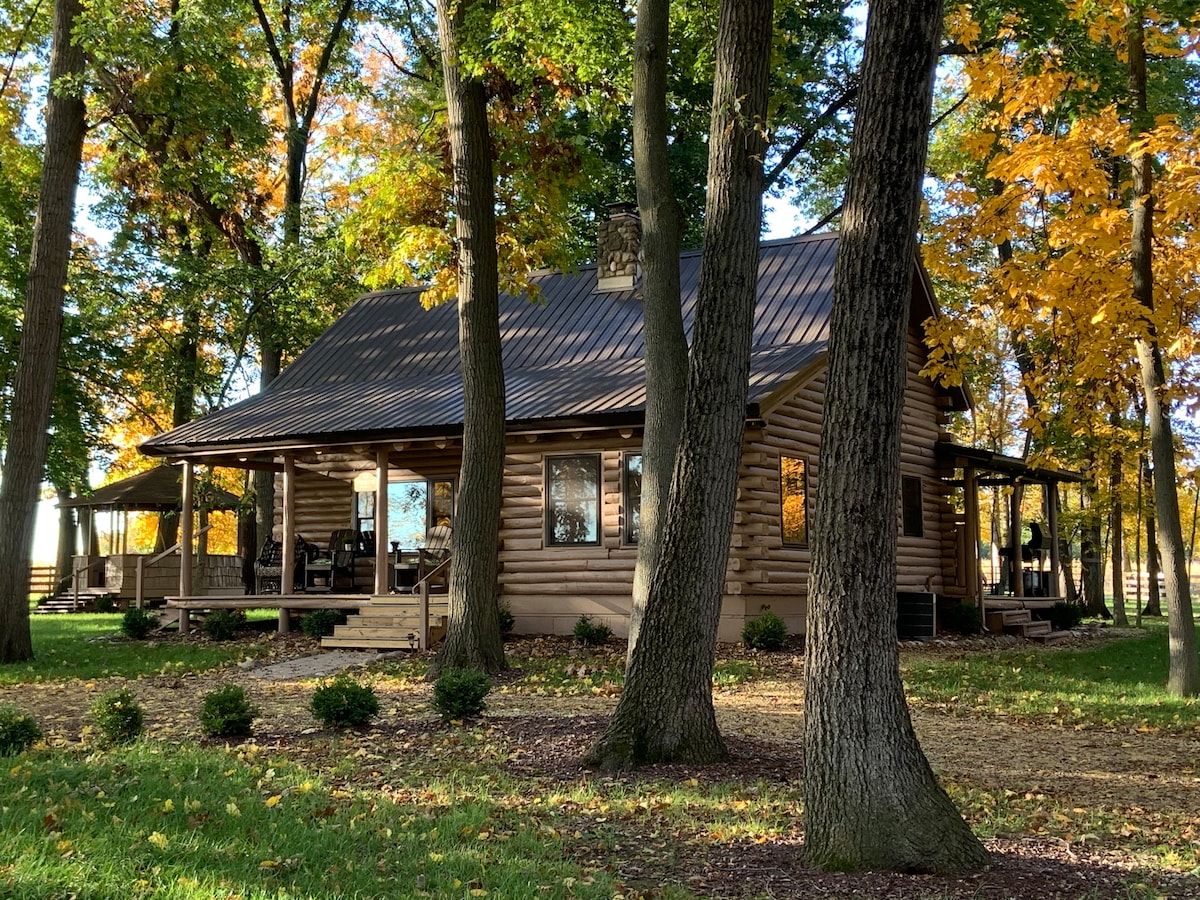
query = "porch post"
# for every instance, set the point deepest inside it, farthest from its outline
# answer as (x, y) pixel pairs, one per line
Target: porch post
(1051, 491)
(971, 526)
(185, 530)
(381, 521)
(288, 580)
(1018, 582)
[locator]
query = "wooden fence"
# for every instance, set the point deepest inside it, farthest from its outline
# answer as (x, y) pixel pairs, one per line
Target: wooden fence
(43, 580)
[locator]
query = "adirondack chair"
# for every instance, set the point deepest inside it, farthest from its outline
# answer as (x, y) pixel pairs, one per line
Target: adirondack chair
(435, 552)
(345, 545)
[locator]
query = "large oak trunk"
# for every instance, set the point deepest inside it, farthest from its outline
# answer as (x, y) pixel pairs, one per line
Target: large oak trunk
(37, 364)
(665, 711)
(871, 799)
(666, 345)
(473, 634)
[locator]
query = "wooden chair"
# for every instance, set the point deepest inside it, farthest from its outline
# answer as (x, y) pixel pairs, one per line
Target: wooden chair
(345, 545)
(435, 552)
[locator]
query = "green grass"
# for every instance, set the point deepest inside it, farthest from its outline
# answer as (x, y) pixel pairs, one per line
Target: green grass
(186, 823)
(90, 645)
(1117, 685)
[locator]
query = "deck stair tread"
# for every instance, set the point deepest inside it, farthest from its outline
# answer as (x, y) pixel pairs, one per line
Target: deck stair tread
(1019, 622)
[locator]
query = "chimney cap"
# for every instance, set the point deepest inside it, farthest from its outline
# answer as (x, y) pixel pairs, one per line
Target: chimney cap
(621, 208)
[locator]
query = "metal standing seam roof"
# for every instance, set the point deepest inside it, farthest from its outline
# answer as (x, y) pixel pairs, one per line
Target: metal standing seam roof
(388, 367)
(160, 488)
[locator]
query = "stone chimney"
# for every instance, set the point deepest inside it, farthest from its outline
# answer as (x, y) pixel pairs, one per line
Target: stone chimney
(618, 245)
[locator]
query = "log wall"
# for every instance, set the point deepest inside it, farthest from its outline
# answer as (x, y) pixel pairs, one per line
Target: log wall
(548, 588)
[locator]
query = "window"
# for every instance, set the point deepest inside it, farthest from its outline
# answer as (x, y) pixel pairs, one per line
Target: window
(911, 506)
(793, 498)
(413, 508)
(573, 500)
(631, 497)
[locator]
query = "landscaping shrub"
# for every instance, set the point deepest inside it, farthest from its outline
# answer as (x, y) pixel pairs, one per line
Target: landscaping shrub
(765, 632)
(222, 624)
(591, 633)
(459, 693)
(507, 620)
(18, 731)
(321, 622)
(960, 618)
(227, 712)
(1064, 616)
(105, 605)
(118, 717)
(137, 623)
(344, 703)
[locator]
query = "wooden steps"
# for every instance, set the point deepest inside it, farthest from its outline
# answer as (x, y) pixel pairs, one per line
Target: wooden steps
(1019, 622)
(390, 623)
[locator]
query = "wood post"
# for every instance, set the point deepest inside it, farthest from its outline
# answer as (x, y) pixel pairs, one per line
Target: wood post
(971, 525)
(381, 521)
(287, 581)
(1014, 541)
(1051, 490)
(185, 530)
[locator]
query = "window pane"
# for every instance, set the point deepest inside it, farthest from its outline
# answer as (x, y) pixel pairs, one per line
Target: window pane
(573, 499)
(407, 512)
(793, 495)
(912, 512)
(442, 503)
(632, 497)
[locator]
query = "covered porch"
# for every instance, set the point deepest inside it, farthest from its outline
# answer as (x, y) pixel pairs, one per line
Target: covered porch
(1030, 572)
(343, 540)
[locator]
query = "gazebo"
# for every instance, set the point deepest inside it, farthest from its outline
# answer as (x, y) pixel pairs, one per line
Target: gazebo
(127, 576)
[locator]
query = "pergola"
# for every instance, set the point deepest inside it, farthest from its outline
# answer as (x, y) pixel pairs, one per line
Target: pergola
(985, 468)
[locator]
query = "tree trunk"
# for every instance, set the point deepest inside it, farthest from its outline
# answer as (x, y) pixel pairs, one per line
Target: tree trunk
(666, 711)
(473, 634)
(1153, 593)
(666, 345)
(870, 797)
(1116, 527)
(1092, 559)
(1183, 679)
(37, 361)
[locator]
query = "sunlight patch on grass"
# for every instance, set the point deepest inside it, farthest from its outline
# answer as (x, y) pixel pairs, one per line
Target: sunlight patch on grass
(90, 645)
(1117, 685)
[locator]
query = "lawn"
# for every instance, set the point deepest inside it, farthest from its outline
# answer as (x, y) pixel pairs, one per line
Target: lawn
(1081, 777)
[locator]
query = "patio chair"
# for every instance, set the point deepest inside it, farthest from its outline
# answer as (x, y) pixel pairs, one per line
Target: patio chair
(435, 552)
(344, 545)
(268, 568)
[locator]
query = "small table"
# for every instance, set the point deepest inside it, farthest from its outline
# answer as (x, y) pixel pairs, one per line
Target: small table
(317, 576)
(404, 569)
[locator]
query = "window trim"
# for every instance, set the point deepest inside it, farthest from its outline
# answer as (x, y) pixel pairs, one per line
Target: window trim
(547, 499)
(803, 460)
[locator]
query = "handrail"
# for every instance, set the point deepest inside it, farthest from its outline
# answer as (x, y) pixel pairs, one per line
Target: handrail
(423, 587)
(143, 562)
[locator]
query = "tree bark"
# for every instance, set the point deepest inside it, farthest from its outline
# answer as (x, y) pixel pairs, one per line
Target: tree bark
(666, 711)
(1091, 557)
(871, 799)
(37, 361)
(473, 635)
(1183, 678)
(1116, 527)
(666, 352)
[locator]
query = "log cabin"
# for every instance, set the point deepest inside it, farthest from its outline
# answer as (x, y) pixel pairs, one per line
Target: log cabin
(365, 431)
